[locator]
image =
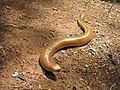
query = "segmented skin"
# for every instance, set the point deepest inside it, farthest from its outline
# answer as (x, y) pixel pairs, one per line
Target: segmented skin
(48, 51)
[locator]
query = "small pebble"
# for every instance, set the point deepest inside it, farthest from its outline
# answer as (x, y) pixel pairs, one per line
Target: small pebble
(86, 66)
(1, 47)
(21, 76)
(54, 8)
(62, 51)
(8, 7)
(14, 74)
(92, 49)
(84, 70)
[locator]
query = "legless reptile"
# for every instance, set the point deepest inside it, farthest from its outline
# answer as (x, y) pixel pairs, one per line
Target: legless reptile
(48, 51)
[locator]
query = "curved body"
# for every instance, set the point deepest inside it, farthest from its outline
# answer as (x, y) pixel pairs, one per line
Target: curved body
(49, 50)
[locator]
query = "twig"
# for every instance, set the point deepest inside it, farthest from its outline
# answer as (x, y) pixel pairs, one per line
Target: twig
(115, 84)
(112, 6)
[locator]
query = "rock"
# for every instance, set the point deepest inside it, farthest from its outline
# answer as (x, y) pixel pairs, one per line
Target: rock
(14, 74)
(86, 66)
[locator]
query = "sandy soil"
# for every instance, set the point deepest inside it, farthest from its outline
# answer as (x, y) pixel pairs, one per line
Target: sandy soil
(26, 26)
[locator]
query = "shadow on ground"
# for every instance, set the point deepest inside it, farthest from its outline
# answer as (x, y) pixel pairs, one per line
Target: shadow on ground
(112, 1)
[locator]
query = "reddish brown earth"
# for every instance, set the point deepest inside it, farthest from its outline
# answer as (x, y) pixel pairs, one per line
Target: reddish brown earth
(26, 26)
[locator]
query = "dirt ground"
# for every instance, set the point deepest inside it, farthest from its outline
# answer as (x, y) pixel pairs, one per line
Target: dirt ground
(26, 26)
